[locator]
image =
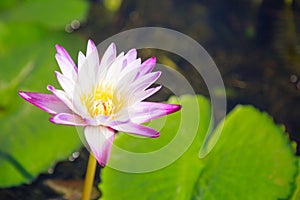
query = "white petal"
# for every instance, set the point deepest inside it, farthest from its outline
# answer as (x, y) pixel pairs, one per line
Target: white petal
(113, 72)
(100, 139)
(146, 111)
(98, 120)
(81, 60)
(66, 67)
(130, 56)
(88, 68)
(77, 104)
(92, 58)
(140, 96)
(86, 79)
(146, 67)
(131, 70)
(62, 96)
(127, 76)
(91, 48)
(61, 51)
(66, 84)
(136, 129)
(107, 58)
(143, 82)
(68, 119)
(47, 102)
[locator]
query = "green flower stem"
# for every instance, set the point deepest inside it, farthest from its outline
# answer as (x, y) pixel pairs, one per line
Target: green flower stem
(89, 178)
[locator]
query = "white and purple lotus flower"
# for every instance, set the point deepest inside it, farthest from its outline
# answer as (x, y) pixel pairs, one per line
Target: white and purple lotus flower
(103, 95)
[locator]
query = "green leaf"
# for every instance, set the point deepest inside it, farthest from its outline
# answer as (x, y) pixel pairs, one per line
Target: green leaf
(29, 143)
(296, 194)
(253, 159)
(16, 35)
(6, 4)
(51, 13)
(29, 30)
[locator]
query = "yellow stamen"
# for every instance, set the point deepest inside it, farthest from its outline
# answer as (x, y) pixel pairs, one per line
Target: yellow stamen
(99, 101)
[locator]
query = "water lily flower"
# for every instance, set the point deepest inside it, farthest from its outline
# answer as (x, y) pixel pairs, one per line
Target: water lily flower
(103, 95)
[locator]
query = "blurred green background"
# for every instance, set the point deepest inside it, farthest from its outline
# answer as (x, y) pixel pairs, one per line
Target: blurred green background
(255, 44)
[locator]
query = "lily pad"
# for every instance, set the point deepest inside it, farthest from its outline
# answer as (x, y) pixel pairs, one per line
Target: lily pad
(296, 194)
(29, 143)
(253, 159)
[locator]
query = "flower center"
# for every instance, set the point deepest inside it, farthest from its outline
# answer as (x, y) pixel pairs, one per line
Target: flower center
(99, 102)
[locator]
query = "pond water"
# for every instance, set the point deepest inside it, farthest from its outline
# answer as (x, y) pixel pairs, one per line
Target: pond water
(255, 45)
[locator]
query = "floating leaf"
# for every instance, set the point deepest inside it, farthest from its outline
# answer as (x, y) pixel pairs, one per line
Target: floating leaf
(29, 143)
(296, 194)
(253, 159)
